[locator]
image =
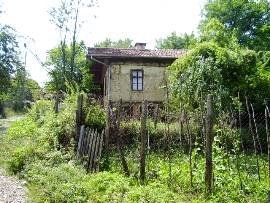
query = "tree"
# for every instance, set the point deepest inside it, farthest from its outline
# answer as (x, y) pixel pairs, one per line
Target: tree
(9, 60)
(81, 76)
(23, 91)
(222, 72)
(174, 41)
(248, 20)
(214, 31)
(66, 18)
(108, 43)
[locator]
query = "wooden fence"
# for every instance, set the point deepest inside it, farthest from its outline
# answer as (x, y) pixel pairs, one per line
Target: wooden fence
(90, 147)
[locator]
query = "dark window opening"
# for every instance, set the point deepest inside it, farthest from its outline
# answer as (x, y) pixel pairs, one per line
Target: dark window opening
(137, 80)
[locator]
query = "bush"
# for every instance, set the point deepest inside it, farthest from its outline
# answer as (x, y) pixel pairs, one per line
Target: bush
(19, 159)
(157, 134)
(95, 117)
(69, 182)
(40, 109)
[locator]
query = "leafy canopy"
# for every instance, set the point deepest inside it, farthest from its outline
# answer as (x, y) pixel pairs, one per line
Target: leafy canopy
(174, 41)
(108, 43)
(247, 20)
(61, 72)
(211, 69)
(9, 60)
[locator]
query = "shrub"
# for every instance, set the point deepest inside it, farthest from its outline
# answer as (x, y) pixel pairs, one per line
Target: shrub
(96, 116)
(19, 159)
(40, 109)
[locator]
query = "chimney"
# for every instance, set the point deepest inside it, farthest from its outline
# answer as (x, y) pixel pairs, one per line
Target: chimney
(140, 45)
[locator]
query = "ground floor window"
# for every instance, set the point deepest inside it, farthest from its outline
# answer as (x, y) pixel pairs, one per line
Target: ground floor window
(137, 80)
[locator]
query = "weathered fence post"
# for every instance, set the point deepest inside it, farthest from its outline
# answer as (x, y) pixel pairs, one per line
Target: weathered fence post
(79, 119)
(256, 128)
(268, 139)
(82, 134)
(190, 152)
(254, 139)
(208, 148)
(119, 139)
(143, 136)
(156, 115)
(108, 124)
(56, 103)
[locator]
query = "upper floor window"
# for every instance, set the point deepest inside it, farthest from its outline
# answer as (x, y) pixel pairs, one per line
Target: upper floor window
(137, 80)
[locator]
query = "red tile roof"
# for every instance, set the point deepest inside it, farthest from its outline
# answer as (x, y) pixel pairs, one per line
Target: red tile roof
(135, 53)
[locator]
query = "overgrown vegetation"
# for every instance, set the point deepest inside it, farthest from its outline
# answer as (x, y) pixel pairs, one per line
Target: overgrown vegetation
(39, 148)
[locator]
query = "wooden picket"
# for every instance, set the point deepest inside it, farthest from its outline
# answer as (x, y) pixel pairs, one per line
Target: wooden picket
(90, 147)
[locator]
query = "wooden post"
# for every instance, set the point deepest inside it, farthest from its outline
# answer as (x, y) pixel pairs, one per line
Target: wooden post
(156, 115)
(79, 119)
(56, 103)
(208, 148)
(92, 151)
(190, 152)
(100, 149)
(82, 134)
(108, 124)
(268, 139)
(254, 140)
(119, 139)
(143, 136)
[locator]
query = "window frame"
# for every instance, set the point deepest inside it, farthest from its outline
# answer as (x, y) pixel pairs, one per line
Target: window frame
(137, 79)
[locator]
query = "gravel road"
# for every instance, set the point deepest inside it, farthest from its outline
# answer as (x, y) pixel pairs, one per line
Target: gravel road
(12, 190)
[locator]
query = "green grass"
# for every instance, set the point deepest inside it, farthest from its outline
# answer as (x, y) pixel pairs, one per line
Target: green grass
(5, 151)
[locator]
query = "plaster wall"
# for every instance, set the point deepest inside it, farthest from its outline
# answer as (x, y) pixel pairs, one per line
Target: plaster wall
(153, 81)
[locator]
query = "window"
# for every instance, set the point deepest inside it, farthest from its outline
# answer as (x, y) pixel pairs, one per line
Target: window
(137, 80)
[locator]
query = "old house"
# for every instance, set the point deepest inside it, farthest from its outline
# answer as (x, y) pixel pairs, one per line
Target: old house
(131, 74)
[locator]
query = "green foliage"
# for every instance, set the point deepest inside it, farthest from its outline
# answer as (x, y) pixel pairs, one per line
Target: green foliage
(20, 157)
(23, 91)
(40, 109)
(9, 59)
(68, 58)
(211, 69)
(173, 41)
(16, 88)
(96, 116)
(108, 43)
(34, 148)
(226, 180)
(65, 74)
(214, 31)
(248, 21)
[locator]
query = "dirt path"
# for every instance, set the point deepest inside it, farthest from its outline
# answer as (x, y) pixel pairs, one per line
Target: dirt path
(11, 189)
(4, 123)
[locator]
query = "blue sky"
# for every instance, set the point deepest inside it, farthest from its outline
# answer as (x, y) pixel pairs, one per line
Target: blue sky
(140, 20)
